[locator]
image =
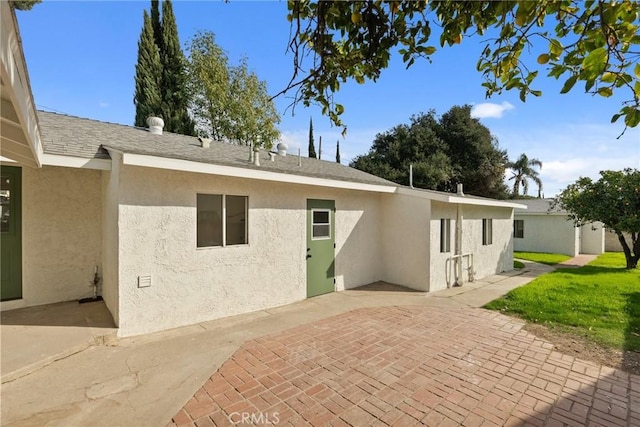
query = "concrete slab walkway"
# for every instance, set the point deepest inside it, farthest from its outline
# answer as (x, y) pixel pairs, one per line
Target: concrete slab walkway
(37, 336)
(146, 380)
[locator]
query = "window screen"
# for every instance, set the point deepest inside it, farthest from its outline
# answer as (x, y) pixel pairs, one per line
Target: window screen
(487, 231)
(445, 235)
(321, 224)
(236, 215)
(518, 228)
(209, 220)
(212, 230)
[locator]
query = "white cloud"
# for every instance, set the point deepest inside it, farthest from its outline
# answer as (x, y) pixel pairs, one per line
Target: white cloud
(103, 104)
(571, 150)
(487, 110)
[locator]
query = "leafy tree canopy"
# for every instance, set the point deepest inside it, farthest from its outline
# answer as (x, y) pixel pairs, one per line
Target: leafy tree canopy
(613, 200)
(592, 42)
(229, 103)
(445, 151)
(25, 4)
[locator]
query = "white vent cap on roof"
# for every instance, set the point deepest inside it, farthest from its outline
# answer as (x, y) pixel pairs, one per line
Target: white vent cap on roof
(155, 125)
(282, 149)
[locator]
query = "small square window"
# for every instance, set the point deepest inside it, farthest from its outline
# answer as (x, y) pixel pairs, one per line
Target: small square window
(321, 224)
(221, 220)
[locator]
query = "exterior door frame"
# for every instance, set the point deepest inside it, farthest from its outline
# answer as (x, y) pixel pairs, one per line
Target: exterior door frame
(320, 255)
(11, 245)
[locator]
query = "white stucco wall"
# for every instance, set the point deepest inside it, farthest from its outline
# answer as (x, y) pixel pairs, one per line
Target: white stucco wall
(487, 259)
(61, 234)
(592, 238)
(498, 256)
(612, 243)
(110, 250)
(405, 231)
(548, 233)
(157, 237)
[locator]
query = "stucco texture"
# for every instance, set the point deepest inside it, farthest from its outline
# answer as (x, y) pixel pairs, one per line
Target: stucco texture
(548, 233)
(157, 238)
(487, 259)
(405, 228)
(62, 233)
(592, 238)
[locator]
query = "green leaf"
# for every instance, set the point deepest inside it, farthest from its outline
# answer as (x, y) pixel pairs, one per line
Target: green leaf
(608, 77)
(595, 63)
(429, 50)
(636, 70)
(555, 48)
(568, 85)
(605, 91)
(632, 118)
(615, 118)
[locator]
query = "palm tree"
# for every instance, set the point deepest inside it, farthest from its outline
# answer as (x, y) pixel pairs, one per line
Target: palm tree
(522, 170)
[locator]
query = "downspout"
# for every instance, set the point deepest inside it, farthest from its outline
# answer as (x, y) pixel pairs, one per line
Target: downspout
(458, 249)
(411, 176)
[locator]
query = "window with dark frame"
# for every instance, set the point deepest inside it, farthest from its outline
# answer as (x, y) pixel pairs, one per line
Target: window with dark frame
(221, 220)
(445, 235)
(487, 231)
(518, 228)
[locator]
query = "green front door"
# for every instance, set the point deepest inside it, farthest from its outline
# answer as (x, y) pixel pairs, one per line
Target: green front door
(320, 247)
(10, 234)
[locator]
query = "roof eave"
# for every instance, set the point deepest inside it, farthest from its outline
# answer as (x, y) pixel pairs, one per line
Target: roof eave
(143, 160)
(456, 199)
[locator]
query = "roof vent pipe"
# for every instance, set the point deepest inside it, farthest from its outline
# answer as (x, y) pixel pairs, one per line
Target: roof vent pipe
(411, 176)
(204, 142)
(155, 125)
(460, 193)
(282, 149)
(256, 155)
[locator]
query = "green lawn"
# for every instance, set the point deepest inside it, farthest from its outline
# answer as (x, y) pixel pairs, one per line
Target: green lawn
(541, 257)
(518, 264)
(600, 301)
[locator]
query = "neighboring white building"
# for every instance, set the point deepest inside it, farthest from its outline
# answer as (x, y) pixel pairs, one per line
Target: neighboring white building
(180, 233)
(541, 229)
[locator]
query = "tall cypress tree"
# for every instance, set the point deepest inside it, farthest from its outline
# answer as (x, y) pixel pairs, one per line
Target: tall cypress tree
(175, 100)
(147, 98)
(312, 147)
(156, 22)
(338, 151)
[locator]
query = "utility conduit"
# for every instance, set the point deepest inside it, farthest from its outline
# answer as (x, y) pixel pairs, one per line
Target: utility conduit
(457, 260)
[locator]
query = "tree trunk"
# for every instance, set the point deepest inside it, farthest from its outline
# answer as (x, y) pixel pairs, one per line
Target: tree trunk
(631, 258)
(516, 188)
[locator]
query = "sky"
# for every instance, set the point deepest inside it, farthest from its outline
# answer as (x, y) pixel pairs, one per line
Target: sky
(81, 57)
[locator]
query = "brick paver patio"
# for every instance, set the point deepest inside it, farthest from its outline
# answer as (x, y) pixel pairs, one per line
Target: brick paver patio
(402, 366)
